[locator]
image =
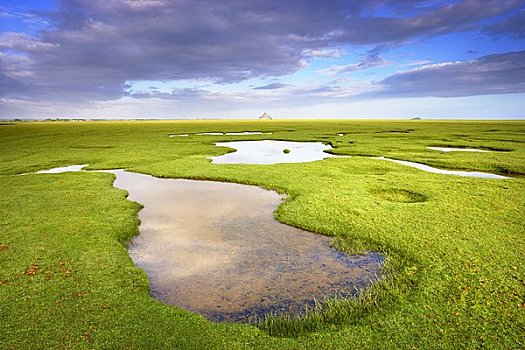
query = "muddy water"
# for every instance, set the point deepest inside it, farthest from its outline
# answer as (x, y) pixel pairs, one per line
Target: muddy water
(216, 249)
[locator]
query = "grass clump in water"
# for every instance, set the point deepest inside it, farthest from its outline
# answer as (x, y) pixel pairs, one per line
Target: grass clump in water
(334, 312)
(353, 247)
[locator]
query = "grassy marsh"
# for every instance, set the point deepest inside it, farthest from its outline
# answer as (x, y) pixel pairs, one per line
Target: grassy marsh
(455, 259)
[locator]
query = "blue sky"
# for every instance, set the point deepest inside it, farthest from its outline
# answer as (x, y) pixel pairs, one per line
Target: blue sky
(461, 59)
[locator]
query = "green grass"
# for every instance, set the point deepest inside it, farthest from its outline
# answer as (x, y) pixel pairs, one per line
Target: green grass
(455, 270)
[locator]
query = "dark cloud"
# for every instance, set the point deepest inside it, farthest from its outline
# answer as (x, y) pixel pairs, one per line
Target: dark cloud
(176, 94)
(272, 86)
(513, 26)
(416, 18)
(93, 47)
(10, 87)
(493, 74)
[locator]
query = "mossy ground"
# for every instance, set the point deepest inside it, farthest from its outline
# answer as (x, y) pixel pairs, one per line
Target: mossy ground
(456, 271)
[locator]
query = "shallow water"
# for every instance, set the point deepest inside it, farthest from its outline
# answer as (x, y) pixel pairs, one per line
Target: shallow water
(210, 133)
(216, 249)
(455, 149)
(430, 169)
(223, 133)
(272, 152)
(65, 169)
(248, 133)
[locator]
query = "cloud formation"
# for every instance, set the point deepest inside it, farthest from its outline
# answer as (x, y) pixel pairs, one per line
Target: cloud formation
(91, 48)
(514, 26)
(272, 86)
(492, 74)
(372, 59)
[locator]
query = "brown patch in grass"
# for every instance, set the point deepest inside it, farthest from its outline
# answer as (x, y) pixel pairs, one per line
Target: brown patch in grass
(32, 270)
(62, 264)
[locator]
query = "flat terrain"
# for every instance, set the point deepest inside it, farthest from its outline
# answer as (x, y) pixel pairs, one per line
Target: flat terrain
(455, 271)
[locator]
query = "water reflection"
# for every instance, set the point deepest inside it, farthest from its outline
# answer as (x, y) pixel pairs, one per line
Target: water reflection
(65, 169)
(430, 169)
(241, 133)
(456, 149)
(216, 249)
(272, 152)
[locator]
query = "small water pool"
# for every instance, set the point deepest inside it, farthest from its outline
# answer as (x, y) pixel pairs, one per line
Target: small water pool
(65, 169)
(456, 149)
(430, 169)
(272, 152)
(240, 133)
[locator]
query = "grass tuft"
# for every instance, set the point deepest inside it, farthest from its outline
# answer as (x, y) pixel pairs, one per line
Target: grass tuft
(344, 310)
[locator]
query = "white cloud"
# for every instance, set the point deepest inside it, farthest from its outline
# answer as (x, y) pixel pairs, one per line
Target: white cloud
(24, 43)
(322, 53)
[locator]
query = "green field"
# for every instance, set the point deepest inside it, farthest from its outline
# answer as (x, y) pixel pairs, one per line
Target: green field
(455, 271)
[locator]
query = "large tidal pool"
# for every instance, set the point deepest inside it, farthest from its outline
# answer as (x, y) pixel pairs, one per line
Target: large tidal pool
(216, 249)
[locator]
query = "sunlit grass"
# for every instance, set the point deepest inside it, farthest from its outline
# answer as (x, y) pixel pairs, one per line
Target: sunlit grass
(454, 275)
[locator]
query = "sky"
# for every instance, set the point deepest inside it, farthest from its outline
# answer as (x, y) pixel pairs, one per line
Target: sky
(183, 59)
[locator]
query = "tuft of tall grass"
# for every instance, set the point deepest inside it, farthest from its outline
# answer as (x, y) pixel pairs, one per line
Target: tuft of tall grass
(342, 310)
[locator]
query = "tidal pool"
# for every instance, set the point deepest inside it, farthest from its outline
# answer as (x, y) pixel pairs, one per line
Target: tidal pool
(456, 149)
(65, 169)
(223, 133)
(272, 152)
(215, 249)
(430, 169)
(248, 133)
